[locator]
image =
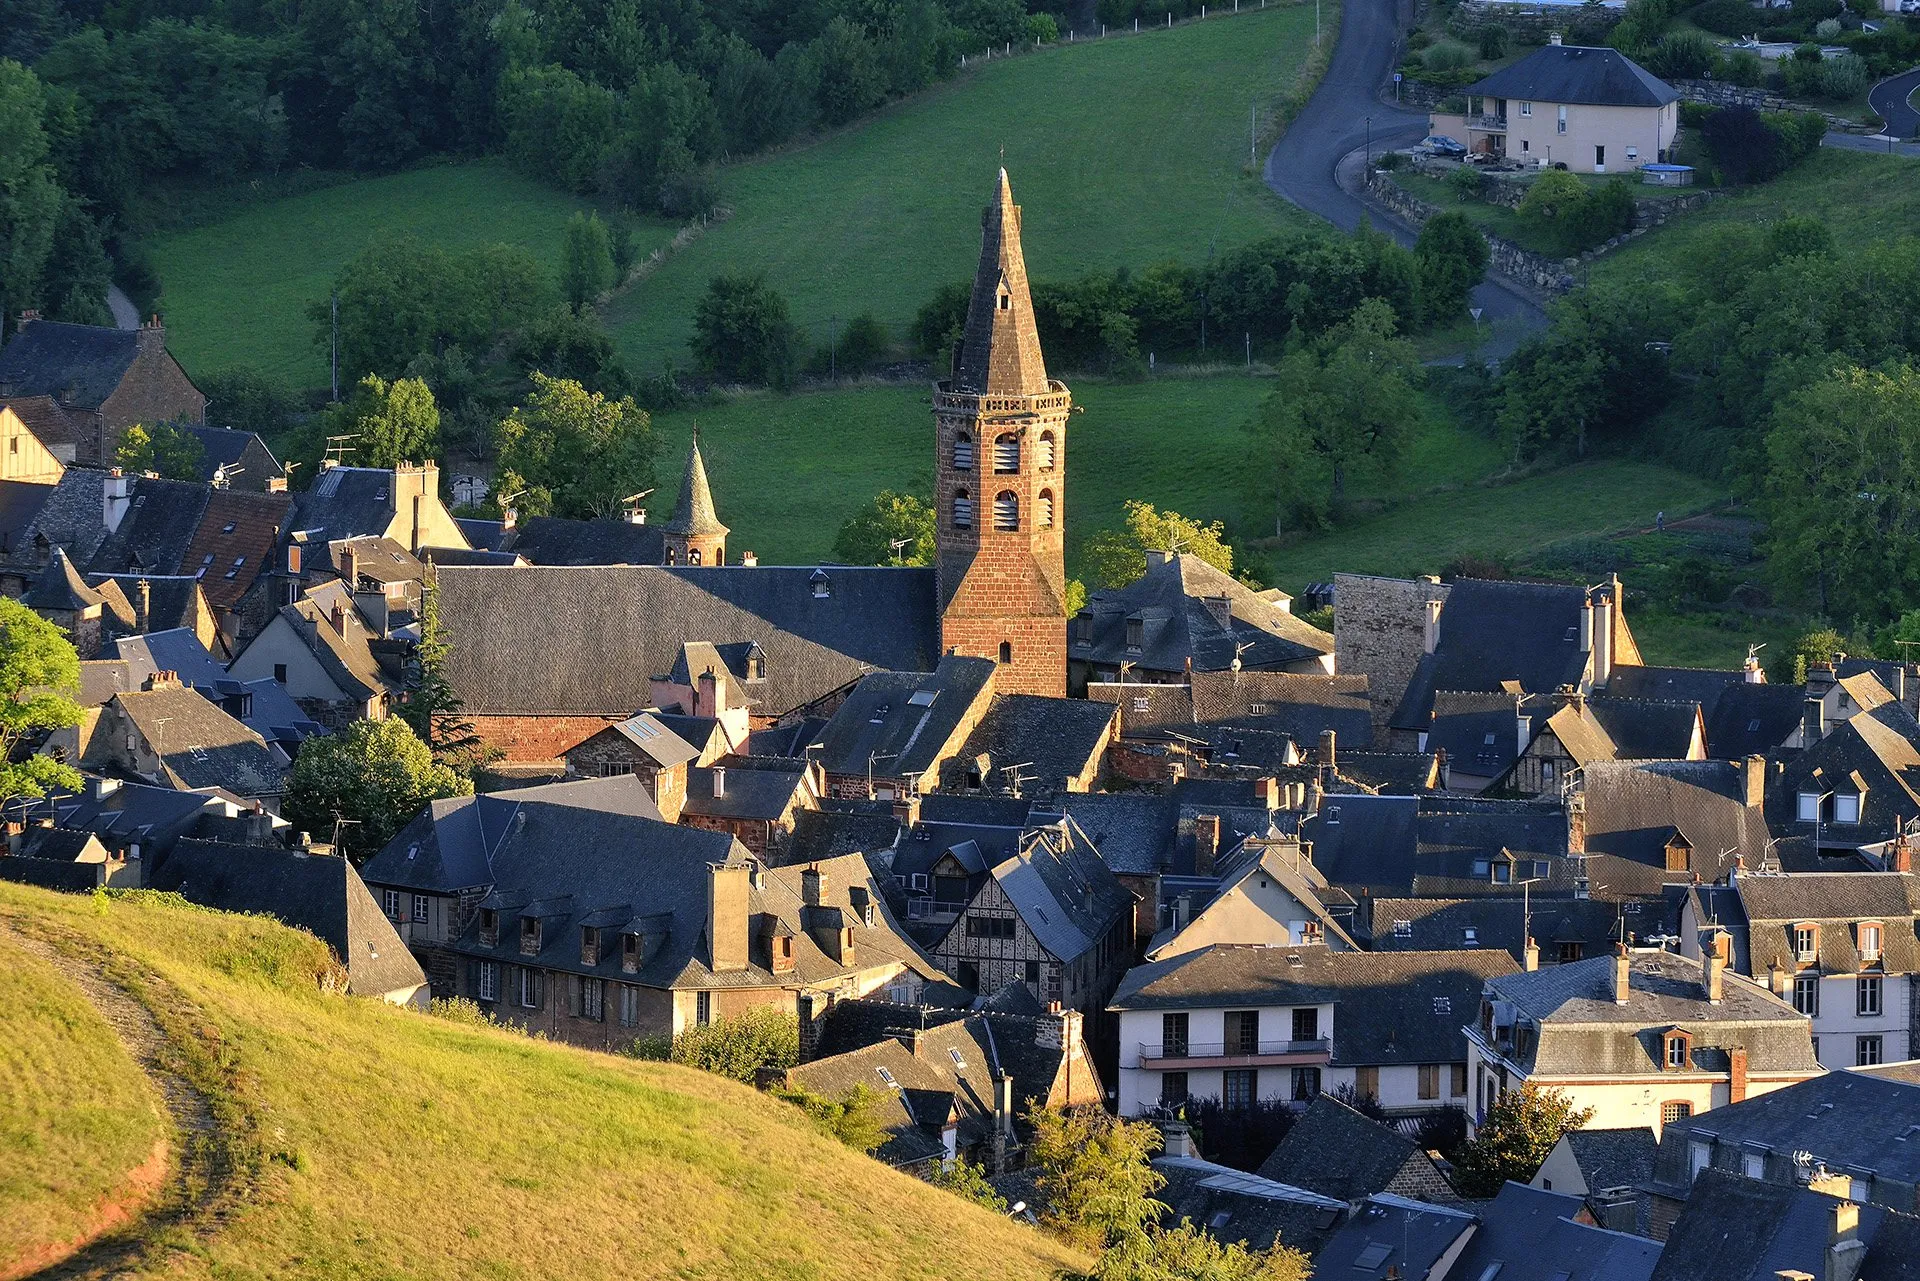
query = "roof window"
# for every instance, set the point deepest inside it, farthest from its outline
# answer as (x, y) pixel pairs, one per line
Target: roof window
(227, 528)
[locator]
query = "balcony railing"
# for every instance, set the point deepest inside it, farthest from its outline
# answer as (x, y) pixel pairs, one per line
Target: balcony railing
(1231, 1054)
(1488, 124)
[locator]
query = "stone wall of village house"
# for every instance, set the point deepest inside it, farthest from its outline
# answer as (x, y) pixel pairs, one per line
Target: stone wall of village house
(154, 390)
(1379, 632)
(757, 834)
(667, 787)
(534, 739)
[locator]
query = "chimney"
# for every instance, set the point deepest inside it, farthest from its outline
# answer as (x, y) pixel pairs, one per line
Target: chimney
(1737, 1074)
(419, 500)
(706, 700)
(1586, 627)
(1777, 979)
(1431, 637)
(727, 915)
(811, 884)
(161, 680)
(116, 494)
(142, 606)
(1622, 974)
(909, 1037)
(1603, 642)
(719, 781)
(339, 618)
(1753, 781)
(1532, 954)
(1813, 725)
(347, 565)
(1329, 761)
(1175, 1139)
(1845, 1251)
(1003, 1103)
(1714, 973)
(152, 336)
(1156, 557)
(1753, 675)
(27, 317)
(1900, 855)
(1268, 790)
(1723, 947)
(749, 560)
(1206, 843)
(1554, 39)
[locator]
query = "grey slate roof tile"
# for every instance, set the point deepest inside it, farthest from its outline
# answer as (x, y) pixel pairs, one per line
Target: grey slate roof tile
(1577, 74)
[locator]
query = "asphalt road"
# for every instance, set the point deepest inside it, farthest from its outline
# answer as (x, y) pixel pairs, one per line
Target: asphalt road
(1344, 115)
(1891, 100)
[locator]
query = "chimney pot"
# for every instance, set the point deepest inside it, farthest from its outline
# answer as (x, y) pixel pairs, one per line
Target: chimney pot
(1532, 955)
(1328, 749)
(1175, 1139)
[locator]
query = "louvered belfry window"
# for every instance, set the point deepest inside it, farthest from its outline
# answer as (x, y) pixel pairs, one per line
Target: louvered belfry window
(1006, 453)
(1006, 510)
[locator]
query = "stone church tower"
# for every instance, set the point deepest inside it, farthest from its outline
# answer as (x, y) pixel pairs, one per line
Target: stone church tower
(1000, 477)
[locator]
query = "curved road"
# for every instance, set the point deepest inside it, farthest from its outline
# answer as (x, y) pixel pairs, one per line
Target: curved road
(1891, 100)
(1305, 164)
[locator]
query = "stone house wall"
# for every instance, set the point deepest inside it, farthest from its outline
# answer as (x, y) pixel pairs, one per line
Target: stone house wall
(1379, 631)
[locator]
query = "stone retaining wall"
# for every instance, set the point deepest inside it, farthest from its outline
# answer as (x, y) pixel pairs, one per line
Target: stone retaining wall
(1716, 93)
(1530, 26)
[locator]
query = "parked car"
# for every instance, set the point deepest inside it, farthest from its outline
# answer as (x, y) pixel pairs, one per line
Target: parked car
(1439, 144)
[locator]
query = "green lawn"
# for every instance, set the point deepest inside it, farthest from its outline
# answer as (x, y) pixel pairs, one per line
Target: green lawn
(375, 1142)
(236, 292)
(1123, 152)
(788, 470)
(1503, 522)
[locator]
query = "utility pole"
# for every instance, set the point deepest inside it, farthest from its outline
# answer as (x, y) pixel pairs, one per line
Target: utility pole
(1253, 134)
(336, 341)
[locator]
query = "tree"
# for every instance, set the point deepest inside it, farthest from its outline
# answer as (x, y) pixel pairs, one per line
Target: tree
(1347, 400)
(739, 1046)
(742, 332)
(969, 1183)
(1118, 558)
(1190, 1253)
(853, 1118)
(1518, 1132)
(575, 453)
(872, 534)
(1453, 259)
(1552, 207)
(371, 777)
(249, 400)
(1842, 492)
(1095, 1175)
(432, 708)
(391, 422)
(165, 450)
(937, 325)
(586, 259)
(1822, 645)
(39, 678)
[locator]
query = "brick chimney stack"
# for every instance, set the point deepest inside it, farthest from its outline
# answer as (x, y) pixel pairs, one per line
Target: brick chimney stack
(1622, 974)
(1206, 843)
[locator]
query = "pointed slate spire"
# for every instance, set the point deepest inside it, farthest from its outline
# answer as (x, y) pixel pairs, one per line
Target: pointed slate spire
(999, 351)
(694, 515)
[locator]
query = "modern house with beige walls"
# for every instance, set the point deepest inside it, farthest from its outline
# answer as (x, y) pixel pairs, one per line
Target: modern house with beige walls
(1593, 110)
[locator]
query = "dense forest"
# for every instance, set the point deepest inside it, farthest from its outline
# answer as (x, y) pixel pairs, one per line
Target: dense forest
(104, 103)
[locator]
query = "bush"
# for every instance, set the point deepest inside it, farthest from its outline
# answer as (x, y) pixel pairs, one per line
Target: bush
(1447, 55)
(1466, 183)
(1493, 41)
(1725, 17)
(1841, 77)
(1242, 1137)
(1418, 41)
(1042, 29)
(1391, 160)
(1743, 67)
(1683, 55)
(1605, 213)
(1827, 29)
(742, 332)
(689, 194)
(738, 1047)
(249, 400)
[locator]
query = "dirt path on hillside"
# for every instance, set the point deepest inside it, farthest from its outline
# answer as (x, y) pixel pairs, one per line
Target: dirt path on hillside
(187, 1180)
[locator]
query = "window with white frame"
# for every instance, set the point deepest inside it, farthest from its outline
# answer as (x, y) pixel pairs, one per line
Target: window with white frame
(489, 984)
(1846, 808)
(1563, 120)
(393, 906)
(1806, 943)
(1869, 942)
(1403, 929)
(629, 1005)
(1866, 1051)
(529, 988)
(1754, 1165)
(1526, 108)
(421, 908)
(1807, 807)
(1867, 997)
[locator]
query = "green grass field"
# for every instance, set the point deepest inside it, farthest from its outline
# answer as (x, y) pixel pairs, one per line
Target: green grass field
(76, 1115)
(387, 1143)
(1123, 152)
(236, 292)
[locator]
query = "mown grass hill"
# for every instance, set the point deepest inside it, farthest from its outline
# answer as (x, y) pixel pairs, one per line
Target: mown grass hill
(344, 1138)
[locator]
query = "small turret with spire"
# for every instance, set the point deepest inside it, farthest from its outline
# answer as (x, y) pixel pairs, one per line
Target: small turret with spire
(695, 535)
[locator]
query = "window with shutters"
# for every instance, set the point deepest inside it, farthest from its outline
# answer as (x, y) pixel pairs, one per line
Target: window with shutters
(393, 906)
(592, 1000)
(1006, 510)
(529, 988)
(1429, 1080)
(629, 1005)
(1459, 1080)
(962, 509)
(1043, 510)
(963, 452)
(1006, 454)
(1044, 453)
(1243, 1031)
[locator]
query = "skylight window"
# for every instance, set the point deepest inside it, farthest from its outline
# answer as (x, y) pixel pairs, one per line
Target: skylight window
(227, 528)
(957, 1060)
(1373, 1256)
(887, 1076)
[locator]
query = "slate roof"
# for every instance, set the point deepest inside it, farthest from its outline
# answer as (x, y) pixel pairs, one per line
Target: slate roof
(320, 893)
(174, 649)
(745, 793)
(1773, 904)
(203, 747)
(345, 655)
(555, 540)
(1702, 685)
(121, 813)
(1479, 732)
(70, 845)
(173, 600)
(1297, 705)
(49, 423)
(64, 875)
(1281, 862)
(1404, 846)
(450, 844)
(1882, 748)
(1620, 1158)
(153, 535)
(1634, 808)
(1391, 773)
(1577, 74)
(60, 588)
(80, 365)
(1134, 831)
(654, 740)
(1733, 1228)
(1529, 1234)
(228, 448)
(1846, 1120)
(693, 515)
(1582, 1031)
(486, 535)
(72, 516)
(842, 827)
(1390, 1236)
(1644, 730)
(234, 542)
(530, 640)
(1234, 1206)
(999, 349)
(20, 505)
(1426, 924)
(1051, 739)
(1371, 1157)
(345, 502)
(1190, 610)
(897, 723)
(1752, 720)
(1063, 892)
(1493, 632)
(1389, 1007)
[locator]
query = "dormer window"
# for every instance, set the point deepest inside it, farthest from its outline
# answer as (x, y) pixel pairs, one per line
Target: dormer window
(630, 953)
(1677, 852)
(822, 588)
(1869, 943)
(1806, 943)
(589, 945)
(1678, 1049)
(1846, 807)
(529, 936)
(1004, 301)
(489, 927)
(1136, 634)
(782, 953)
